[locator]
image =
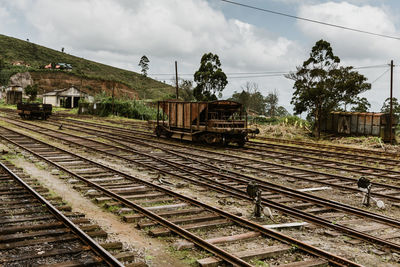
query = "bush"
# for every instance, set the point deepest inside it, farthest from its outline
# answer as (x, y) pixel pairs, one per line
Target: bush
(293, 120)
(133, 109)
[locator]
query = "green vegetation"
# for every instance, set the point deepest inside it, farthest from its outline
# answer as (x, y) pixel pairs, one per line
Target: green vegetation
(32, 92)
(322, 86)
(396, 107)
(133, 109)
(144, 65)
(210, 78)
(188, 256)
(36, 56)
(254, 102)
(4, 105)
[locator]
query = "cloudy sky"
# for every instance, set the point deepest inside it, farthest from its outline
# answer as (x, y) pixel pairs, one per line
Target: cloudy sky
(253, 46)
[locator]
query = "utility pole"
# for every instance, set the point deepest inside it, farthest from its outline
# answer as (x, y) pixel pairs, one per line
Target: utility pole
(113, 86)
(391, 103)
(176, 79)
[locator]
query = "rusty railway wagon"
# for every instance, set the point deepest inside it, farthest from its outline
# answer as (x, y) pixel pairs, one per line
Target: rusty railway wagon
(216, 122)
(359, 123)
(34, 110)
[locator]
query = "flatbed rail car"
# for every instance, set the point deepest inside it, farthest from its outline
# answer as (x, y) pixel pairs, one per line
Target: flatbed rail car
(216, 122)
(34, 110)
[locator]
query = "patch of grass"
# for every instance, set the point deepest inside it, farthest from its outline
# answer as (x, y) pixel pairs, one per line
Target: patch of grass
(4, 105)
(111, 208)
(148, 257)
(40, 166)
(188, 256)
(259, 263)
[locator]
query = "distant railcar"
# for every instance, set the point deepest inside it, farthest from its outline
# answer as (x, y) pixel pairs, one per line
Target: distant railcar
(34, 110)
(216, 122)
(359, 123)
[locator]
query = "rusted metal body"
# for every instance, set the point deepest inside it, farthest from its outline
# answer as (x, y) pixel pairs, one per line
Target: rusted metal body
(34, 110)
(218, 121)
(359, 123)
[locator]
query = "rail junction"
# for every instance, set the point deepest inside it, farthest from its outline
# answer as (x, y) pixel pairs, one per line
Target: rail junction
(155, 206)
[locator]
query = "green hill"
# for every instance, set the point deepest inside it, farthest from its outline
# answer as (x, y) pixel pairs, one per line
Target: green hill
(36, 56)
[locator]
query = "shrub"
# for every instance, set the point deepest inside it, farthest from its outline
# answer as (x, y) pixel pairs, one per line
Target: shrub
(133, 109)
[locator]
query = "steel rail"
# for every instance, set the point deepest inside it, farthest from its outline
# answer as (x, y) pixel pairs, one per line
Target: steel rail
(97, 124)
(334, 259)
(362, 172)
(283, 154)
(95, 247)
(392, 198)
(333, 147)
(385, 219)
(280, 207)
(370, 151)
(273, 186)
(323, 152)
(173, 227)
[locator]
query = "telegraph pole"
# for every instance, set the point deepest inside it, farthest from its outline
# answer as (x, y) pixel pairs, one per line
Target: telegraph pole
(391, 103)
(176, 79)
(113, 87)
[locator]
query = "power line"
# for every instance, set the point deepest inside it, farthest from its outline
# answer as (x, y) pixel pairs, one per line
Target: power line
(256, 76)
(311, 20)
(372, 67)
(267, 72)
(380, 76)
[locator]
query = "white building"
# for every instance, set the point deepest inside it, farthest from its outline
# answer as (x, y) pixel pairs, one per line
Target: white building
(67, 98)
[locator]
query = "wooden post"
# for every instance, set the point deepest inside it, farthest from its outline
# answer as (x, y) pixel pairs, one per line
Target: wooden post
(169, 115)
(176, 79)
(112, 110)
(391, 103)
(158, 112)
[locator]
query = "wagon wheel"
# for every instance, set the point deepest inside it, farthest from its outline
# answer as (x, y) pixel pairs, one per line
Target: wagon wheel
(209, 138)
(158, 131)
(241, 142)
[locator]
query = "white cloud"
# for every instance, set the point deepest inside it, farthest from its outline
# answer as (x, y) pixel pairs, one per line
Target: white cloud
(354, 48)
(119, 32)
(350, 44)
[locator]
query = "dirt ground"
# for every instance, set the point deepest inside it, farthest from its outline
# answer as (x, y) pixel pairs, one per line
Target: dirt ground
(150, 249)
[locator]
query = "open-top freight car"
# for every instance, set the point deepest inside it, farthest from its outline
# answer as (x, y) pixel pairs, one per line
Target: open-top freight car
(34, 110)
(216, 122)
(360, 123)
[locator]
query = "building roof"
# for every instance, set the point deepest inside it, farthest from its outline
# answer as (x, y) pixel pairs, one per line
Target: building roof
(60, 91)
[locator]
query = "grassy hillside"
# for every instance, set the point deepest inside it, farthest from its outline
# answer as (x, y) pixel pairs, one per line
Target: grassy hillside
(12, 49)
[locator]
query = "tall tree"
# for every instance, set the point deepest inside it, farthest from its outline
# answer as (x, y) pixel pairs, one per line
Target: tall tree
(144, 64)
(396, 107)
(250, 98)
(360, 105)
(210, 78)
(31, 91)
(272, 103)
(186, 90)
(321, 85)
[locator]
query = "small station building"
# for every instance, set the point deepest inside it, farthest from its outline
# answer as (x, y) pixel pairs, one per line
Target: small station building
(66, 98)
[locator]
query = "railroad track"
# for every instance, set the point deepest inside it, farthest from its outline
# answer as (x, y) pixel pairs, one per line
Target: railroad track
(165, 211)
(231, 159)
(367, 160)
(321, 160)
(330, 147)
(34, 232)
(229, 189)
